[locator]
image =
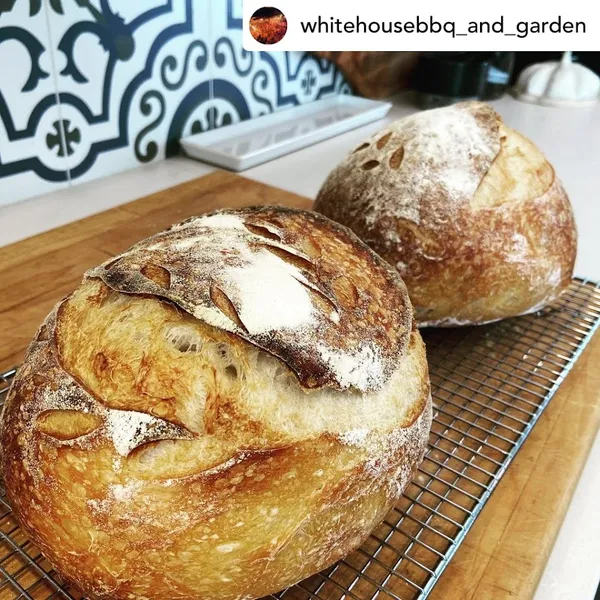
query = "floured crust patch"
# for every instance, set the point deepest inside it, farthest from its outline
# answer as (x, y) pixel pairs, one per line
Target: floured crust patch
(417, 171)
(290, 282)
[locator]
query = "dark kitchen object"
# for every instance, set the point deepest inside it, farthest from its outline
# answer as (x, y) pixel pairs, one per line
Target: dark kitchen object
(442, 78)
(373, 74)
(499, 72)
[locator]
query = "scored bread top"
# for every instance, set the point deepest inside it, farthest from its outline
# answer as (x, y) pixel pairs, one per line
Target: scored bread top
(290, 282)
(468, 210)
(419, 170)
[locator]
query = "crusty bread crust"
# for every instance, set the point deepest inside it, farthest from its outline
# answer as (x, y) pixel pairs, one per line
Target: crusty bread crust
(468, 210)
(362, 313)
(152, 454)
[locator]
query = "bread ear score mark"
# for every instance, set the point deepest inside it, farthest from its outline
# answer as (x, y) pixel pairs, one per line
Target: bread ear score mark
(370, 165)
(276, 222)
(42, 335)
(301, 262)
(127, 430)
(113, 263)
(474, 200)
(226, 306)
(158, 274)
(263, 231)
(361, 148)
(396, 158)
(382, 141)
(67, 424)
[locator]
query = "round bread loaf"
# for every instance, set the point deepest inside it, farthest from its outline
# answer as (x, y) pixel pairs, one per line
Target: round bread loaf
(224, 409)
(467, 209)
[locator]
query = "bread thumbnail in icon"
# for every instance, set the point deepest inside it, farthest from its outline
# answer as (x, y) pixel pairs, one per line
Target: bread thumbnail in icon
(268, 25)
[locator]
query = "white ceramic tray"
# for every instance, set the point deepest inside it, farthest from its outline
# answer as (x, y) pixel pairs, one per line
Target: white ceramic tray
(243, 145)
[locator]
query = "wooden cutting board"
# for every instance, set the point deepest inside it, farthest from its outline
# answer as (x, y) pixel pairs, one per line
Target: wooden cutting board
(505, 552)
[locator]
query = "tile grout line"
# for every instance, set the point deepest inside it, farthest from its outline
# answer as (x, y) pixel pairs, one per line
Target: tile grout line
(61, 128)
(211, 79)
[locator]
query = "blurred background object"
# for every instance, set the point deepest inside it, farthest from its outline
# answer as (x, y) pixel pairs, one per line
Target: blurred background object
(499, 70)
(559, 83)
(525, 59)
(442, 78)
(375, 75)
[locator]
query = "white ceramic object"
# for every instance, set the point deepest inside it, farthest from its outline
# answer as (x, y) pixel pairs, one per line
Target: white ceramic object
(563, 83)
(249, 143)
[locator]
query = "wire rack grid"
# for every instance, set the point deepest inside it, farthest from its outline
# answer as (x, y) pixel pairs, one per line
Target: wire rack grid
(490, 385)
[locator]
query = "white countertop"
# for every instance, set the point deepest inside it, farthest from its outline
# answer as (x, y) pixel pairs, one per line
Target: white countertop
(570, 138)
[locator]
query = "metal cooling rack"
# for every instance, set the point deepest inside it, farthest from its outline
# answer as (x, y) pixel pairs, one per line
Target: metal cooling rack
(490, 385)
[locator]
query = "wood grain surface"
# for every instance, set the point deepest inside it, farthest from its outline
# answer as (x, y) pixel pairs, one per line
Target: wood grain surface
(504, 553)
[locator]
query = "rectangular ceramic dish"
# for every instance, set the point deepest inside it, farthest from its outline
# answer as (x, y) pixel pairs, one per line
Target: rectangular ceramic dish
(249, 143)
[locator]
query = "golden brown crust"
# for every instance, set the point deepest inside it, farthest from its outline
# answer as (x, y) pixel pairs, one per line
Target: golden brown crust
(473, 218)
(211, 536)
(313, 299)
(232, 531)
(152, 455)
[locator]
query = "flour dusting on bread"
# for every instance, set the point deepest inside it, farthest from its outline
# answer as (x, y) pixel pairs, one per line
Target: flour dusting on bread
(269, 293)
(360, 370)
(249, 272)
(445, 155)
(463, 146)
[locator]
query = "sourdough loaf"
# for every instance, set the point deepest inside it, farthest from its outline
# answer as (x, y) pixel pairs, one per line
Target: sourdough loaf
(222, 410)
(467, 209)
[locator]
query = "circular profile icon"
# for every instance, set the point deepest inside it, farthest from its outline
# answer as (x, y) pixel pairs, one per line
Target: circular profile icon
(268, 25)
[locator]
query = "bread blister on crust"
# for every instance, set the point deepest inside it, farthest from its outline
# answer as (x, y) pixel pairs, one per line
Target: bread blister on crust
(468, 210)
(198, 460)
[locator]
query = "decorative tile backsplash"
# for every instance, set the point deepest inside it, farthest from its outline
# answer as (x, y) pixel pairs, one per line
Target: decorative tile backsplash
(92, 87)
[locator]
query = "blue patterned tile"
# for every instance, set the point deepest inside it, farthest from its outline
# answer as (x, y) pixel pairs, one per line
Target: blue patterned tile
(250, 84)
(32, 148)
(131, 79)
(126, 73)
